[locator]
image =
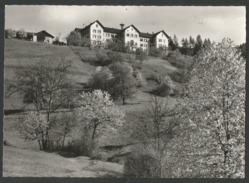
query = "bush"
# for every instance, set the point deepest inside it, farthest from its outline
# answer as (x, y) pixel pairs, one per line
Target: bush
(154, 77)
(72, 149)
(156, 52)
(115, 57)
(21, 34)
(139, 78)
(10, 33)
(116, 45)
(162, 90)
(74, 38)
(86, 42)
(165, 87)
(140, 55)
(180, 75)
(140, 165)
(101, 79)
(176, 59)
(103, 58)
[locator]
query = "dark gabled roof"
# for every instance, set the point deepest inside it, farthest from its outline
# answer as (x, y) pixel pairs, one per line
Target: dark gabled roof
(91, 24)
(45, 32)
(117, 31)
(146, 35)
(154, 35)
(112, 30)
(30, 33)
(131, 26)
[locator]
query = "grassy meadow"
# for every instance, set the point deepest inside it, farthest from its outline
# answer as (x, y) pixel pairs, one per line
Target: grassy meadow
(21, 158)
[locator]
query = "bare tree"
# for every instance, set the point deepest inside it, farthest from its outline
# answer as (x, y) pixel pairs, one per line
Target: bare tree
(45, 85)
(155, 128)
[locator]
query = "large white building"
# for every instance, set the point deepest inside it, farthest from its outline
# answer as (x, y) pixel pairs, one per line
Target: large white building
(130, 35)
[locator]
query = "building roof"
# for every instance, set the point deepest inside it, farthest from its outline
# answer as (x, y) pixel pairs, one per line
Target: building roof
(78, 29)
(112, 30)
(146, 35)
(45, 32)
(131, 26)
(30, 33)
(117, 31)
(154, 35)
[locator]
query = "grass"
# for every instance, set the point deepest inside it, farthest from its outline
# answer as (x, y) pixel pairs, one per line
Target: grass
(30, 163)
(22, 158)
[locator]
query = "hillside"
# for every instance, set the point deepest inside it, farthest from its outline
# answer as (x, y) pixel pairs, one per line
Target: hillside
(22, 158)
(18, 52)
(26, 163)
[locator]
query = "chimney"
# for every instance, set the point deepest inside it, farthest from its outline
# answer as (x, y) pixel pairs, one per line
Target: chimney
(122, 26)
(84, 25)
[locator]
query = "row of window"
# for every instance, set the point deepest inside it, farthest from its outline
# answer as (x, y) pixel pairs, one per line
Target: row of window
(131, 35)
(110, 35)
(143, 45)
(161, 45)
(145, 40)
(96, 42)
(96, 36)
(98, 31)
(131, 43)
(160, 40)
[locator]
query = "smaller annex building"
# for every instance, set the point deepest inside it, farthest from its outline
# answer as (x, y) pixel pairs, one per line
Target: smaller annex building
(42, 36)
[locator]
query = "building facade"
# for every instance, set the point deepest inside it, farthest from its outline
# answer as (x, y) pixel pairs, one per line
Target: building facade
(42, 36)
(130, 35)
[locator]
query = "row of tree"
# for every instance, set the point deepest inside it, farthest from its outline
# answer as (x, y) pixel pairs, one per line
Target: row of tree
(11, 33)
(189, 46)
(202, 135)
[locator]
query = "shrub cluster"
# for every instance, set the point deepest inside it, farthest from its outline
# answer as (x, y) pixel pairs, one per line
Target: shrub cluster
(165, 87)
(140, 165)
(183, 65)
(156, 52)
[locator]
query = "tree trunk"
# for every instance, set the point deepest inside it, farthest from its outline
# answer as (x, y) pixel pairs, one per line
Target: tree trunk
(39, 144)
(94, 131)
(123, 98)
(63, 141)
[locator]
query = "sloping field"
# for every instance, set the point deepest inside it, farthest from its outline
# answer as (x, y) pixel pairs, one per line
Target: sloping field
(19, 52)
(30, 163)
(21, 158)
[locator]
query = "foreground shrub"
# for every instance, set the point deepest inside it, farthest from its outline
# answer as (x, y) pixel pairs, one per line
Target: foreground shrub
(180, 75)
(176, 59)
(156, 52)
(74, 38)
(165, 87)
(101, 79)
(33, 127)
(98, 114)
(73, 148)
(141, 55)
(139, 78)
(123, 83)
(106, 58)
(116, 45)
(140, 165)
(103, 59)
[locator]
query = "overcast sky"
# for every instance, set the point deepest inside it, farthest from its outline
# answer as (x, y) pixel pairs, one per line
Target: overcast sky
(210, 22)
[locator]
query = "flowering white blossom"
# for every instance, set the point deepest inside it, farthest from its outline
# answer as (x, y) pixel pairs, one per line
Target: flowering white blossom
(99, 113)
(33, 126)
(216, 111)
